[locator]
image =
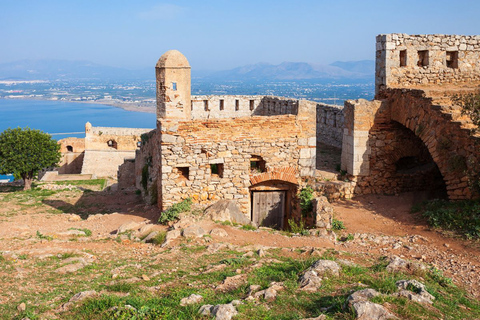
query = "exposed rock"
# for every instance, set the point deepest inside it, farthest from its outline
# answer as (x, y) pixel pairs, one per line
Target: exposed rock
(323, 213)
(320, 317)
(184, 222)
(398, 264)
(253, 288)
(311, 279)
(261, 253)
(80, 263)
(366, 310)
(171, 235)
(74, 218)
(224, 311)
(150, 237)
(22, 307)
(217, 232)
(131, 225)
(226, 210)
(194, 231)
(270, 294)
(206, 310)
(82, 296)
(231, 283)
(414, 290)
(145, 229)
(192, 299)
(145, 277)
(361, 295)
(215, 247)
(72, 233)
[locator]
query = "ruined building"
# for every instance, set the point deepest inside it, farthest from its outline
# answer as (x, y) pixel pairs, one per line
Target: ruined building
(411, 137)
(255, 150)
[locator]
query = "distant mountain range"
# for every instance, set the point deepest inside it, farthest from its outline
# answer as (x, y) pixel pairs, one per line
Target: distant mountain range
(63, 69)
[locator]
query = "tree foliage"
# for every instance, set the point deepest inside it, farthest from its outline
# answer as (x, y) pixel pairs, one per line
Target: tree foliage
(24, 152)
(470, 104)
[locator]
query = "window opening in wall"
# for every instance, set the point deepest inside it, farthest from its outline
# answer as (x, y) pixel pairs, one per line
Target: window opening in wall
(217, 169)
(452, 59)
(221, 104)
(112, 144)
(183, 172)
(191, 105)
(237, 105)
(422, 58)
(174, 86)
(139, 144)
(205, 105)
(324, 116)
(257, 164)
(69, 148)
(252, 105)
(334, 120)
(403, 58)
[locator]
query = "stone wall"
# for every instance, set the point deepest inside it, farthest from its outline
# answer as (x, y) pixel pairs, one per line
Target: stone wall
(72, 150)
(419, 60)
(287, 144)
(231, 106)
(104, 163)
(330, 121)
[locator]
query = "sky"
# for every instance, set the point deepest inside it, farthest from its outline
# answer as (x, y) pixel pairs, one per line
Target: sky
(219, 34)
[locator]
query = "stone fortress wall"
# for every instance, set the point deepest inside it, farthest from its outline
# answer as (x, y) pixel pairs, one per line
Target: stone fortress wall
(72, 150)
(106, 149)
(417, 60)
(330, 122)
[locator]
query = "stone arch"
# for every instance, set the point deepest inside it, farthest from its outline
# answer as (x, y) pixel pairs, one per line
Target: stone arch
(287, 174)
(453, 149)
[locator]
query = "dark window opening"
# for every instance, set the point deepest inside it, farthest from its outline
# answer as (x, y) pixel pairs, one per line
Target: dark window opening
(174, 86)
(217, 169)
(112, 144)
(422, 58)
(452, 59)
(403, 58)
(252, 105)
(221, 104)
(69, 148)
(191, 105)
(139, 144)
(183, 172)
(334, 120)
(205, 105)
(237, 105)
(325, 116)
(257, 164)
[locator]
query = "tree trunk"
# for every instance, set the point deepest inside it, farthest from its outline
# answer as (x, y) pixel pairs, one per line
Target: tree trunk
(27, 181)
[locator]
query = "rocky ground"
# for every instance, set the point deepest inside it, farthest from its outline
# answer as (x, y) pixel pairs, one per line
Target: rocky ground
(75, 252)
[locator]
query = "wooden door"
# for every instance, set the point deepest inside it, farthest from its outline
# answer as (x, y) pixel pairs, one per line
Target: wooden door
(268, 208)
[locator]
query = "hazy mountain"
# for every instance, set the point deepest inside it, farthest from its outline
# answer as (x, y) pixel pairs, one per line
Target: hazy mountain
(64, 69)
(291, 71)
(362, 66)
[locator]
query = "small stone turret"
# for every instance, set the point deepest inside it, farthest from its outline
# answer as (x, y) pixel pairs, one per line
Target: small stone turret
(173, 86)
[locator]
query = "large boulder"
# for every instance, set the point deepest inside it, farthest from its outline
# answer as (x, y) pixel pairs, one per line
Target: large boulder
(366, 310)
(414, 290)
(226, 210)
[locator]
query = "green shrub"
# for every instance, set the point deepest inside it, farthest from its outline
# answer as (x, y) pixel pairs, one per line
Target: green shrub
(306, 200)
(337, 225)
(248, 227)
(159, 238)
(173, 212)
(297, 227)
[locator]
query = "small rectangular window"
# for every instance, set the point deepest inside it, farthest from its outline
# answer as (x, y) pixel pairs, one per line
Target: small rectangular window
(174, 86)
(422, 58)
(237, 105)
(221, 104)
(403, 58)
(452, 59)
(217, 169)
(183, 172)
(252, 105)
(205, 105)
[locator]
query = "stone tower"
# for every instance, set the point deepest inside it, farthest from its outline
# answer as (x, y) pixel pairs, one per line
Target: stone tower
(173, 86)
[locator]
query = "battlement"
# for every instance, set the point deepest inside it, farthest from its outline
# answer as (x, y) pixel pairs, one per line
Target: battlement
(424, 60)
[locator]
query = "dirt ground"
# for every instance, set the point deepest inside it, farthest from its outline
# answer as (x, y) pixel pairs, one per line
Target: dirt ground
(381, 225)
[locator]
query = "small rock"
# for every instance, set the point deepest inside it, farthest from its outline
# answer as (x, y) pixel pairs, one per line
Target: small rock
(192, 299)
(270, 294)
(74, 218)
(145, 229)
(72, 233)
(224, 311)
(145, 277)
(194, 231)
(419, 293)
(253, 288)
(217, 232)
(206, 310)
(320, 317)
(82, 296)
(22, 307)
(361, 295)
(398, 264)
(261, 253)
(150, 236)
(366, 310)
(131, 225)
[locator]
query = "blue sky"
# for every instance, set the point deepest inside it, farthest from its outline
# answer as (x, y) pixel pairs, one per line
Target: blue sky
(219, 34)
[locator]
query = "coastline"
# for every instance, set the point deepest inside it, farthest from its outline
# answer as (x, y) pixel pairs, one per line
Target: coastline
(144, 107)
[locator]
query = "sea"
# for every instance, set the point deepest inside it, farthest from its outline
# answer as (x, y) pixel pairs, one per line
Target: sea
(61, 119)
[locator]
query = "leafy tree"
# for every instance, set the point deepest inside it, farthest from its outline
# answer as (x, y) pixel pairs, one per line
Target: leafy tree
(24, 152)
(470, 104)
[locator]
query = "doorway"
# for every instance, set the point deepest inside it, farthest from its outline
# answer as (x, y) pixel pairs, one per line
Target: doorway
(268, 208)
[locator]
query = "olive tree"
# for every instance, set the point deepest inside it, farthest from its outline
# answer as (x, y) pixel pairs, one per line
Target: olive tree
(24, 152)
